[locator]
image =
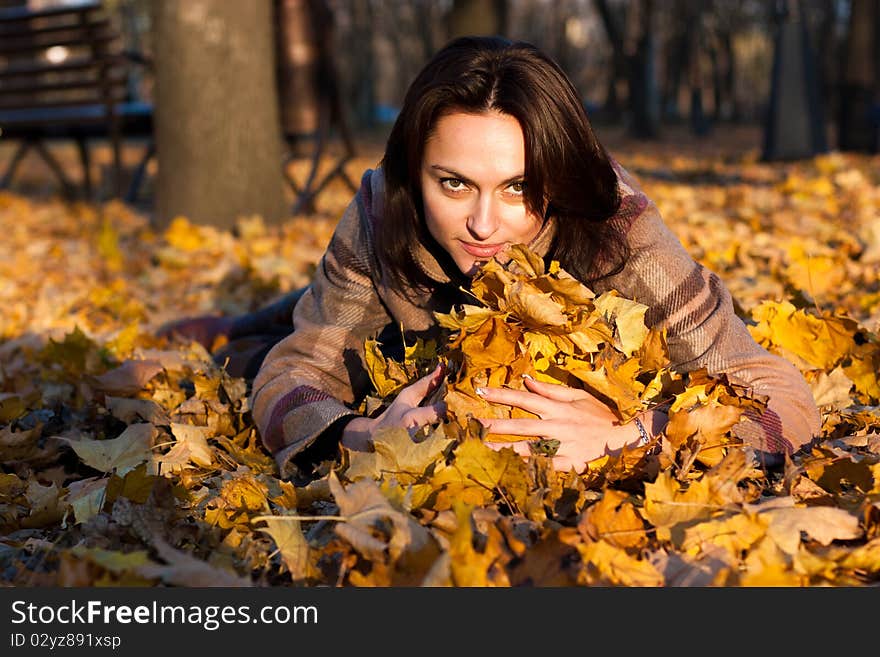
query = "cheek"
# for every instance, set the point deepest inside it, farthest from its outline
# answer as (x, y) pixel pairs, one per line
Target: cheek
(438, 216)
(525, 227)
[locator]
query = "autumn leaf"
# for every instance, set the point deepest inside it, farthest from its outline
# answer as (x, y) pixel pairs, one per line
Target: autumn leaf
(615, 520)
(614, 566)
(121, 454)
(190, 449)
(182, 569)
(292, 545)
(86, 497)
(127, 379)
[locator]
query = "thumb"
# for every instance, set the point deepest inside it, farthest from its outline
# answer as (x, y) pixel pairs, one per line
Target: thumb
(423, 387)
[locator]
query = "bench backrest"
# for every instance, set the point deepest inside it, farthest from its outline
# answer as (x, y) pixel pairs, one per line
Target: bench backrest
(64, 56)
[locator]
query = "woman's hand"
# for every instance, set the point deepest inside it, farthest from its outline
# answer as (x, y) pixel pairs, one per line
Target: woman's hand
(403, 412)
(585, 427)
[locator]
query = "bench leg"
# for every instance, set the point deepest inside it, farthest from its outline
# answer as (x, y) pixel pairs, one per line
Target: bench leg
(135, 184)
(306, 201)
(83, 148)
(69, 188)
(13, 163)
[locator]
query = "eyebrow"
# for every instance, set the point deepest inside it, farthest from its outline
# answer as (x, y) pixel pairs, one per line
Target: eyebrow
(465, 179)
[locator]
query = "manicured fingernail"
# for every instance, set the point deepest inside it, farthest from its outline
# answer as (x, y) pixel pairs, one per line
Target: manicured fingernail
(480, 391)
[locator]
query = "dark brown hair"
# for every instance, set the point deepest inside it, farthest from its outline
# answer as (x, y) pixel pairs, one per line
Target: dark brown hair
(566, 168)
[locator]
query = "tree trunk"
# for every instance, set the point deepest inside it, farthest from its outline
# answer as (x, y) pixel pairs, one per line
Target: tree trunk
(475, 17)
(794, 127)
(676, 54)
(644, 97)
(858, 126)
(298, 65)
(698, 120)
(363, 90)
(619, 60)
(218, 133)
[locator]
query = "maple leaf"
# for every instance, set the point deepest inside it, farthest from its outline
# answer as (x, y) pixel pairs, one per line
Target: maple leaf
(469, 566)
(615, 520)
(408, 461)
(614, 566)
(820, 342)
(822, 524)
(479, 473)
(86, 497)
(127, 379)
(362, 505)
(627, 317)
(292, 545)
(121, 454)
(191, 447)
(47, 506)
(112, 560)
(182, 569)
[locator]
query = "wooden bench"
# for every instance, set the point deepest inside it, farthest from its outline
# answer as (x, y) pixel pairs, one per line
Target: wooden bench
(64, 75)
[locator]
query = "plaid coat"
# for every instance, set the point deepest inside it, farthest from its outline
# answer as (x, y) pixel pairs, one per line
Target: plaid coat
(315, 375)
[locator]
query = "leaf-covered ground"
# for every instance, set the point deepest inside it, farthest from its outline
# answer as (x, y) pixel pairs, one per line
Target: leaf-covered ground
(126, 459)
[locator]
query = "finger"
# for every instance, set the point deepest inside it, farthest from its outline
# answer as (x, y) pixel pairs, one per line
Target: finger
(528, 401)
(554, 391)
(415, 392)
(517, 426)
(419, 417)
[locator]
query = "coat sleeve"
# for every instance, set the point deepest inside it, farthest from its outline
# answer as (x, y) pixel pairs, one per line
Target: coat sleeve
(696, 309)
(311, 378)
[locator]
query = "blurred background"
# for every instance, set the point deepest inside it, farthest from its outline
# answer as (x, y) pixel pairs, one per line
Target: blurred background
(218, 92)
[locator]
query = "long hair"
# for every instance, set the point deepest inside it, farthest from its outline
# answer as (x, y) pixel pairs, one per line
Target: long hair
(568, 174)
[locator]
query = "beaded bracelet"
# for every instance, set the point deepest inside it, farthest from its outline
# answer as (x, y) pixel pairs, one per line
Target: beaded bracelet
(645, 438)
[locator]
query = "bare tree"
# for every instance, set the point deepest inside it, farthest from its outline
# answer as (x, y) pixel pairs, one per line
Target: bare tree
(218, 133)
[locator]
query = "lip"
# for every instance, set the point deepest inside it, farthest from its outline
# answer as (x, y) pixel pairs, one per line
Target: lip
(481, 250)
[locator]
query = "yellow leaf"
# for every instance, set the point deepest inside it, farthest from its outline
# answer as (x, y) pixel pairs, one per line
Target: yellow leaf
(469, 566)
(532, 307)
(290, 542)
(820, 341)
(121, 454)
(733, 534)
(86, 497)
(628, 318)
(398, 455)
(183, 235)
(387, 376)
(617, 566)
(614, 519)
(113, 560)
(481, 473)
(669, 507)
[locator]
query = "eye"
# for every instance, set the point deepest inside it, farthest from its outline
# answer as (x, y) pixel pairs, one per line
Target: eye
(453, 184)
(517, 187)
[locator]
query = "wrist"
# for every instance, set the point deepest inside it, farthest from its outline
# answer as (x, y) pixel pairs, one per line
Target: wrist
(648, 425)
(356, 435)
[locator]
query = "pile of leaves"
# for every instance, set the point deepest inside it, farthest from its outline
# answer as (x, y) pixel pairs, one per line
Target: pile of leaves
(126, 459)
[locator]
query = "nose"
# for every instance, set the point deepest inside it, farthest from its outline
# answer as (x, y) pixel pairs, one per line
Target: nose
(482, 222)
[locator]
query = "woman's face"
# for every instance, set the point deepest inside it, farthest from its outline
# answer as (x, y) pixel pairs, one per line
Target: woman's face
(472, 187)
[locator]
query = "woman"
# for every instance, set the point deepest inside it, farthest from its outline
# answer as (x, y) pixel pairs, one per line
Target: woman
(492, 147)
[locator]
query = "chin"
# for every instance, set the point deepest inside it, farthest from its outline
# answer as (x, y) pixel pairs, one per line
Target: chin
(469, 269)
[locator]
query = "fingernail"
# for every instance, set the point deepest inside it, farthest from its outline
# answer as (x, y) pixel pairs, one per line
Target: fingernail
(480, 391)
(528, 376)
